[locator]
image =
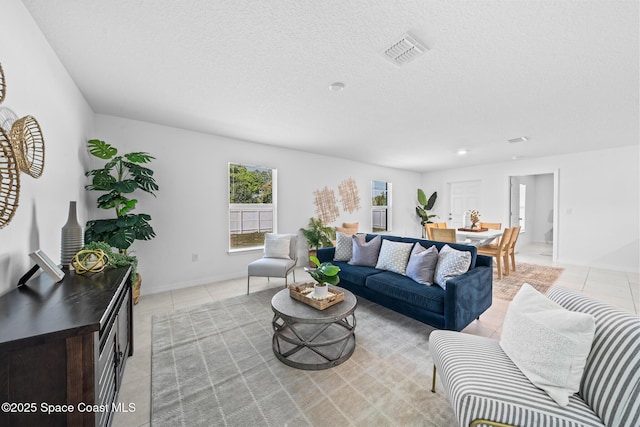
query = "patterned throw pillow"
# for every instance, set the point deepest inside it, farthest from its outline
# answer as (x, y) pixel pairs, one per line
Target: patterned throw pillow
(276, 246)
(394, 256)
(451, 263)
(344, 246)
(422, 264)
(365, 253)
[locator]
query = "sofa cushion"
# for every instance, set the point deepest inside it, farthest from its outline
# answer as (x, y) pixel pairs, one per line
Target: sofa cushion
(354, 274)
(422, 264)
(451, 263)
(547, 342)
(393, 285)
(344, 246)
(394, 256)
(365, 253)
(439, 245)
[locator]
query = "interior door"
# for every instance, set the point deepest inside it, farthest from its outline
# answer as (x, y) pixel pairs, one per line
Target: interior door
(465, 196)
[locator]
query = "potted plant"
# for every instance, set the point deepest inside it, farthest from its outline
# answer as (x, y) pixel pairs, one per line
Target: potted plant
(424, 206)
(118, 179)
(324, 273)
(114, 259)
(318, 236)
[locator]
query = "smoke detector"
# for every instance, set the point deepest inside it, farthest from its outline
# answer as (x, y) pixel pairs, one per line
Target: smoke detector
(404, 50)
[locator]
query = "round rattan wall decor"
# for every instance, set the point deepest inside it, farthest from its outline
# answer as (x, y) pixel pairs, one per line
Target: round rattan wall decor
(28, 145)
(9, 180)
(3, 85)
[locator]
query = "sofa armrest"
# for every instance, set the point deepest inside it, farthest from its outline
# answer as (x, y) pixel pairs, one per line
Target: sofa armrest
(326, 254)
(467, 297)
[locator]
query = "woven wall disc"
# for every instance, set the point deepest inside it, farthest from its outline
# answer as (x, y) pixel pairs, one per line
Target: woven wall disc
(3, 85)
(9, 180)
(28, 145)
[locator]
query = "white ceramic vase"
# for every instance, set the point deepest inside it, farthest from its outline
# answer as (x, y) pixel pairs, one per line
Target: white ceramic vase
(72, 238)
(320, 292)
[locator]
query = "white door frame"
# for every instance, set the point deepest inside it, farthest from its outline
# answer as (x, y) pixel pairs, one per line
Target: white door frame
(556, 203)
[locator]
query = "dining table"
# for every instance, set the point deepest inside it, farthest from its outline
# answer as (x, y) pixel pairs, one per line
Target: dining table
(477, 238)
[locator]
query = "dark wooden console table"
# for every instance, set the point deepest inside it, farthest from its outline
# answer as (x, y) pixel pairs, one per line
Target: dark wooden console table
(65, 345)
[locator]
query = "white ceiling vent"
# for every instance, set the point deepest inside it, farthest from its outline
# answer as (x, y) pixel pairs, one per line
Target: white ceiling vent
(404, 50)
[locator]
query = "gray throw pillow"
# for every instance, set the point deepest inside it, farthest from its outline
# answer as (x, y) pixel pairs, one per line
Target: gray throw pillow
(365, 253)
(422, 264)
(451, 263)
(394, 256)
(344, 246)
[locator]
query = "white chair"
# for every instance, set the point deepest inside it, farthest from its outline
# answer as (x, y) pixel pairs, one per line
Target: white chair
(276, 261)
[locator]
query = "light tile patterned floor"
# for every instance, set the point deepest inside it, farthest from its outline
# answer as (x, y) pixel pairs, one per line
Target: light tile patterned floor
(618, 288)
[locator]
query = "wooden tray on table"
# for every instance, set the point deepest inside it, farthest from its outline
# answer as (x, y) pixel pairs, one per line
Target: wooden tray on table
(474, 230)
(303, 292)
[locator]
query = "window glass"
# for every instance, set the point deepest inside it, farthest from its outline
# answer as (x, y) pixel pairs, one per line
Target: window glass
(252, 205)
(380, 206)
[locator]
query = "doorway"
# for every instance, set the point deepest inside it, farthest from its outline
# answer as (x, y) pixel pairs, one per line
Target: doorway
(533, 206)
(464, 196)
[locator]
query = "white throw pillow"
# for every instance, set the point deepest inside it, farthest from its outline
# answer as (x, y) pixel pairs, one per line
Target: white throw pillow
(276, 246)
(394, 256)
(451, 263)
(547, 342)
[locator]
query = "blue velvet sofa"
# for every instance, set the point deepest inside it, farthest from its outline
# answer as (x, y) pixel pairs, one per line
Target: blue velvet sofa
(466, 296)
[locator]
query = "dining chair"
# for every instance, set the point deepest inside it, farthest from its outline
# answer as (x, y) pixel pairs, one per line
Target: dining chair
(491, 225)
(500, 251)
(443, 234)
(512, 246)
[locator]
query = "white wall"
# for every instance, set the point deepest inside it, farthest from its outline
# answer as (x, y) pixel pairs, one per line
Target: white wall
(599, 194)
(190, 215)
(38, 85)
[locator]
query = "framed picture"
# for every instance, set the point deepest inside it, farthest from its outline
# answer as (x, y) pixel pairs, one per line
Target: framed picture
(45, 263)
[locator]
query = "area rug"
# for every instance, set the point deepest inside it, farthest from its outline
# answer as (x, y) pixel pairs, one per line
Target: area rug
(212, 365)
(540, 277)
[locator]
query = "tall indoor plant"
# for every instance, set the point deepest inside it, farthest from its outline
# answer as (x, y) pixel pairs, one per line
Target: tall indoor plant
(424, 206)
(318, 235)
(118, 179)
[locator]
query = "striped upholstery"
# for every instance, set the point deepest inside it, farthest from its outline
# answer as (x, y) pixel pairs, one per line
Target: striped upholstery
(611, 381)
(482, 382)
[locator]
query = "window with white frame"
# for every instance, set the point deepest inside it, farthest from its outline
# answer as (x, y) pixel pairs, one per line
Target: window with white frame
(380, 206)
(252, 205)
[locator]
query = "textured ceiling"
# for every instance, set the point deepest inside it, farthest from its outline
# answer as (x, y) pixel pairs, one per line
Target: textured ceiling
(563, 73)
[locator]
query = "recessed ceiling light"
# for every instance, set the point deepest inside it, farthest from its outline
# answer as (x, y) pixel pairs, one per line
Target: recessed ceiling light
(462, 151)
(336, 87)
(519, 139)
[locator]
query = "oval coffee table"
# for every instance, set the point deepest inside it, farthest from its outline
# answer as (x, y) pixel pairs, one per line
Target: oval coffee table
(307, 338)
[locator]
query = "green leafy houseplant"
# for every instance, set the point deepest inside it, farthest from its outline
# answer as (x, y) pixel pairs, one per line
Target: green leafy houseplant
(318, 235)
(424, 206)
(325, 273)
(118, 179)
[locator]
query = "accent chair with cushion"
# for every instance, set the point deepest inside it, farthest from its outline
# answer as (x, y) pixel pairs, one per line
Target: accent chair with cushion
(569, 361)
(279, 259)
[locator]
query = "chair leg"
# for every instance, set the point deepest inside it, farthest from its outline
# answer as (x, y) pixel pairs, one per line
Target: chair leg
(248, 284)
(433, 381)
(499, 266)
(513, 261)
(505, 260)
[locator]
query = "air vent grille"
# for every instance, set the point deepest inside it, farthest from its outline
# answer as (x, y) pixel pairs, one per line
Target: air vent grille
(404, 50)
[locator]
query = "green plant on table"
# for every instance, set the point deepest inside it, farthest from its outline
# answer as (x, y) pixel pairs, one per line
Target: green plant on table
(118, 179)
(325, 273)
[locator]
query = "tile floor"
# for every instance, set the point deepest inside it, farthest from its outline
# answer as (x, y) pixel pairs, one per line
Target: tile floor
(615, 287)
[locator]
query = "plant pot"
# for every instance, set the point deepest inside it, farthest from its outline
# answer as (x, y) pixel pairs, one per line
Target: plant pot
(320, 292)
(136, 288)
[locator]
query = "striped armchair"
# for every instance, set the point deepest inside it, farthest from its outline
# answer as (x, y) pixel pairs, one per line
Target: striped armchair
(486, 388)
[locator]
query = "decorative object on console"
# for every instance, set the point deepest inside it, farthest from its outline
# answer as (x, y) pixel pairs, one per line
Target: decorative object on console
(28, 144)
(9, 181)
(72, 237)
(324, 273)
(474, 217)
(89, 261)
